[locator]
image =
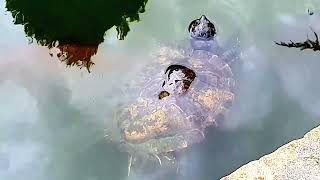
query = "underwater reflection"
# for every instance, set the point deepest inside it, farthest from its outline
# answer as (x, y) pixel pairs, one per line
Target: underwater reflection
(75, 28)
(74, 54)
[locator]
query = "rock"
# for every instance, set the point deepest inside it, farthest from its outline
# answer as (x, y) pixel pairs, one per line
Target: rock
(299, 159)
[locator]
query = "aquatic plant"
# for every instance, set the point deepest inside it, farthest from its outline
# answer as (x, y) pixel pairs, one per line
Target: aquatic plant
(308, 44)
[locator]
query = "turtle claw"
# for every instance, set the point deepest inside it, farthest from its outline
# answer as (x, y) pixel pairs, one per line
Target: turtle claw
(129, 165)
(169, 159)
(158, 159)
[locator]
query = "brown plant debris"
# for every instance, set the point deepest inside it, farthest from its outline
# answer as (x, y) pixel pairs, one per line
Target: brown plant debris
(77, 55)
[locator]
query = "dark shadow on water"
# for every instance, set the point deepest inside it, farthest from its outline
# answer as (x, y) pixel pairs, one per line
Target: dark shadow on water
(99, 161)
(76, 28)
(99, 165)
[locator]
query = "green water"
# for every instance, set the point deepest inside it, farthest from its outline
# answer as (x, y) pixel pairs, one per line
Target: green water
(53, 119)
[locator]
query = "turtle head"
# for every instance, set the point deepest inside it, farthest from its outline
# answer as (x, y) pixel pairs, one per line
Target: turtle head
(202, 29)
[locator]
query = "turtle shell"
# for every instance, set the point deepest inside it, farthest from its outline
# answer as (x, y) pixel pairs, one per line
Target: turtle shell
(181, 94)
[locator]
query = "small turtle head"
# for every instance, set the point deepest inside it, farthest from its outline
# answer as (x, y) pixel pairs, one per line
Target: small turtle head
(202, 29)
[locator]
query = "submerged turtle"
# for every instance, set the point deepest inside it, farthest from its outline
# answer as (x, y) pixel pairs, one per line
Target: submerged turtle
(181, 94)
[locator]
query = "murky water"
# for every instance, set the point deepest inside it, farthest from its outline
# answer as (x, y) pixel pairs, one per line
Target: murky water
(53, 119)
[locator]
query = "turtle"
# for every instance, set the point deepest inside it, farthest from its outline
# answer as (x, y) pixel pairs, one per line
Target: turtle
(184, 91)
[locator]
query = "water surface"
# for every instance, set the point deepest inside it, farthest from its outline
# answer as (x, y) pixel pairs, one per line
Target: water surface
(53, 119)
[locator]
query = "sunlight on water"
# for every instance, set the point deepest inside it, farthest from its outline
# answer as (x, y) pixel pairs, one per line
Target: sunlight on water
(54, 119)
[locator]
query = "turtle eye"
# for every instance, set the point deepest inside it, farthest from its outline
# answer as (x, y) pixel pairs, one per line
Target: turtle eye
(192, 25)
